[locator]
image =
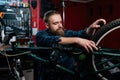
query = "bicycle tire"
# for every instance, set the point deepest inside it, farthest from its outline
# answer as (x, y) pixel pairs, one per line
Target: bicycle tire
(101, 34)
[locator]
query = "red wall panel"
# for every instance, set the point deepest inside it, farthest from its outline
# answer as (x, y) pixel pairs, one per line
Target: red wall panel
(106, 6)
(75, 14)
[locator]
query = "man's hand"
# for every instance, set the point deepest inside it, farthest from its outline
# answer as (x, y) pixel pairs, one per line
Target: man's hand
(88, 45)
(94, 26)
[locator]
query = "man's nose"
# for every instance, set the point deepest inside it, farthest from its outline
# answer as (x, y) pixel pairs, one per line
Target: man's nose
(60, 25)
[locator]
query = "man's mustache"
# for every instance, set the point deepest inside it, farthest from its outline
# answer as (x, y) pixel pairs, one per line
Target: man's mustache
(60, 28)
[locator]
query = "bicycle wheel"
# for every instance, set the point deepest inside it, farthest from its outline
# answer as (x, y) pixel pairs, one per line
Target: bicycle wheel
(106, 38)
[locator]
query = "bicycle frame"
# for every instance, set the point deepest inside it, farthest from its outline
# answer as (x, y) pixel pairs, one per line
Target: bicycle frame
(101, 51)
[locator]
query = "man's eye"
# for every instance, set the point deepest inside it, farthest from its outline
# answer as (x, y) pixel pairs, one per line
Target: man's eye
(55, 23)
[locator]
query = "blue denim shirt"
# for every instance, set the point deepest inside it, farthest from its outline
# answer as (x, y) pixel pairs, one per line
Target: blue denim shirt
(45, 38)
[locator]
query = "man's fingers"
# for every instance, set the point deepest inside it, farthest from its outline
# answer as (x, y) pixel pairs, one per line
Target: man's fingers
(86, 48)
(90, 47)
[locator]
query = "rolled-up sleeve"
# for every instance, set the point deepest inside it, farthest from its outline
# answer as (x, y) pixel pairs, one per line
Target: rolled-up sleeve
(43, 39)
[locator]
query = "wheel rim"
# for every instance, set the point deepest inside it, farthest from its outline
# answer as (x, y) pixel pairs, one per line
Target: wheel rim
(97, 43)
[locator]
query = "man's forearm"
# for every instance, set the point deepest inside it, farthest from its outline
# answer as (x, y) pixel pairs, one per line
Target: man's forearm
(68, 40)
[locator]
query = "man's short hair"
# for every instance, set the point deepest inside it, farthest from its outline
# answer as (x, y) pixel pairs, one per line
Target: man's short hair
(48, 14)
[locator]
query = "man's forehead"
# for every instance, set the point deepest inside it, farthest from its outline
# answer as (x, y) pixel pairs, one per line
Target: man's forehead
(55, 17)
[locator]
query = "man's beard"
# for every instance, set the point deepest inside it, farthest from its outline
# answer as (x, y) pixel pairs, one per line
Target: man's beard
(59, 32)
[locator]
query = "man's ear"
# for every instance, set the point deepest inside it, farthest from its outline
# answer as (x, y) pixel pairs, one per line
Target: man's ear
(46, 25)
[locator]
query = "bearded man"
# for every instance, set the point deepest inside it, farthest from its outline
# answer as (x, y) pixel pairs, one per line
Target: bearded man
(57, 34)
